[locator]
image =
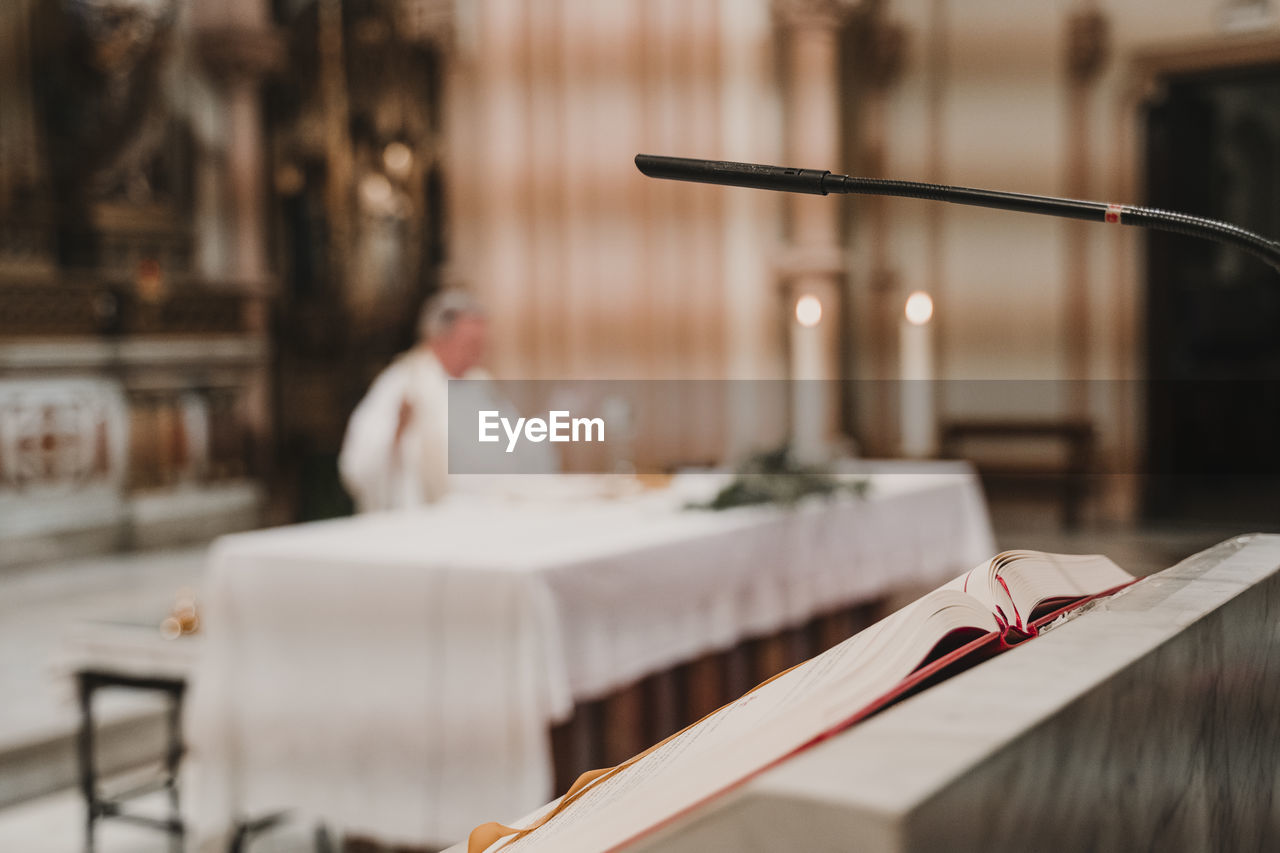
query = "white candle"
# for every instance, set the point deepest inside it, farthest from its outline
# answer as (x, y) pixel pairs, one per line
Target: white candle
(916, 358)
(808, 372)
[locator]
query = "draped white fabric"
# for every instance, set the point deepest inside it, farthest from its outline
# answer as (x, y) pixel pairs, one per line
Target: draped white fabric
(396, 674)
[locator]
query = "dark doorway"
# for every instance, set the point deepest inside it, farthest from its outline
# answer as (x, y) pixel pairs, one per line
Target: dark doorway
(1213, 313)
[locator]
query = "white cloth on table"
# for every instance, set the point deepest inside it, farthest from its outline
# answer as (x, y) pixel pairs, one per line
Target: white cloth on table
(396, 674)
(345, 689)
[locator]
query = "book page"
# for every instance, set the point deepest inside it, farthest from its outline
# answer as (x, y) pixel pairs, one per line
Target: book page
(977, 582)
(757, 729)
(1030, 578)
(1014, 583)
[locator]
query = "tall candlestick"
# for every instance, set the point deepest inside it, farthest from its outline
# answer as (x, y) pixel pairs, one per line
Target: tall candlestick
(808, 372)
(918, 428)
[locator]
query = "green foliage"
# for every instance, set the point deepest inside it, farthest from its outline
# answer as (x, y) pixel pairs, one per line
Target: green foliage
(775, 477)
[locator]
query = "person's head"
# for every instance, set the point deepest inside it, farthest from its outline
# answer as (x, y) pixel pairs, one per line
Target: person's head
(453, 326)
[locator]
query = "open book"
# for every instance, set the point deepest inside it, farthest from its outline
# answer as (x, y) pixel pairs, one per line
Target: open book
(994, 606)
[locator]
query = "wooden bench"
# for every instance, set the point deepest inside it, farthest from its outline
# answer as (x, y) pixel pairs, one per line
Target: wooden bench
(1067, 476)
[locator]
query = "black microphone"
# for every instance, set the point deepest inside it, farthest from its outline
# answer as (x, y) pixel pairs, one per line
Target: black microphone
(818, 182)
(734, 174)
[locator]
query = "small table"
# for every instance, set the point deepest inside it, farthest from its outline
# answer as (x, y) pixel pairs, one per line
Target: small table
(88, 681)
(133, 656)
(136, 656)
(1076, 436)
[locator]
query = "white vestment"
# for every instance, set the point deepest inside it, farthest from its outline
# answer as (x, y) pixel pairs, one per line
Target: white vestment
(383, 473)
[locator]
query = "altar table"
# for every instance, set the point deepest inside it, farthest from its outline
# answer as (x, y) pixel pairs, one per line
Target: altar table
(397, 675)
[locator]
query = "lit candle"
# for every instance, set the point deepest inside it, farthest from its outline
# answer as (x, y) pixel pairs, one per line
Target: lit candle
(808, 372)
(918, 431)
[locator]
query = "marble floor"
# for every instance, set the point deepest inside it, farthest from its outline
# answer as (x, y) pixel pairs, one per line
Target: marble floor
(38, 604)
(54, 824)
(1138, 550)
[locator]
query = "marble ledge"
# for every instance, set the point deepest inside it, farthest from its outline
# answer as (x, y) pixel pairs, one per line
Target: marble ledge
(88, 353)
(1151, 722)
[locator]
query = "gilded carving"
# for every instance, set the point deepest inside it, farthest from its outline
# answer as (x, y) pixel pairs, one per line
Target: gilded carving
(99, 92)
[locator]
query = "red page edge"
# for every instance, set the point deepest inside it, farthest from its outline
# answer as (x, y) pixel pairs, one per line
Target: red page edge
(999, 640)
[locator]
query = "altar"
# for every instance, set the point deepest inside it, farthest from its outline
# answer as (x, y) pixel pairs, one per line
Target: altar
(401, 675)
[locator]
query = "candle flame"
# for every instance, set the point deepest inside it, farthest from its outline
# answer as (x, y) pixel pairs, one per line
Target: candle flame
(919, 308)
(808, 311)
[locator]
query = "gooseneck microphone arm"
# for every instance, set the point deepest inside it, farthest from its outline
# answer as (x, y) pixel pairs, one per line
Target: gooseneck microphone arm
(819, 182)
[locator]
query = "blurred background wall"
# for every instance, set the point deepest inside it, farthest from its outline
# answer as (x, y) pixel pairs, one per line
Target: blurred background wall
(1137, 102)
(591, 270)
(217, 221)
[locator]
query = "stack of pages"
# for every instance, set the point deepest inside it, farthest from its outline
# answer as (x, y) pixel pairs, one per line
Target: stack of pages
(987, 610)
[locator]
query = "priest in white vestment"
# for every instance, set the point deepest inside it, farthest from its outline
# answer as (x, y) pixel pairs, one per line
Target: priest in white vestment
(395, 453)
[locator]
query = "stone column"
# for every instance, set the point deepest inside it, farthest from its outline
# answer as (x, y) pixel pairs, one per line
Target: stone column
(812, 262)
(239, 46)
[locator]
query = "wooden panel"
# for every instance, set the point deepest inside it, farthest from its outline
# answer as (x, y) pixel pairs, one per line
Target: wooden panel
(704, 686)
(624, 724)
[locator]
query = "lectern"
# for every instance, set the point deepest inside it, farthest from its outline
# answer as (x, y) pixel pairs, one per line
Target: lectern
(1149, 720)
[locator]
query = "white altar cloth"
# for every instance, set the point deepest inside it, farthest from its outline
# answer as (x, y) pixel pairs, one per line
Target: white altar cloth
(396, 675)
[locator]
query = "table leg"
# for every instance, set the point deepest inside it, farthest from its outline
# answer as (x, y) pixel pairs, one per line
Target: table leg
(84, 743)
(323, 843)
(173, 758)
